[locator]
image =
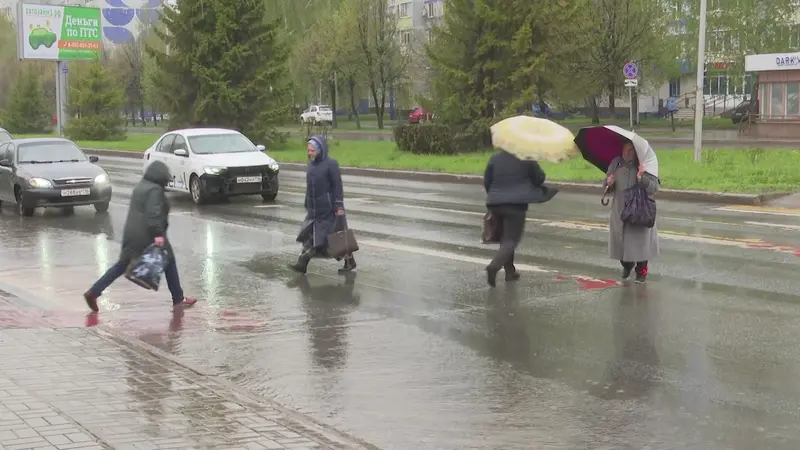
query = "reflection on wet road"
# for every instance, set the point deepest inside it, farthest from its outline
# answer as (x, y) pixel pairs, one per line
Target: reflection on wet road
(415, 351)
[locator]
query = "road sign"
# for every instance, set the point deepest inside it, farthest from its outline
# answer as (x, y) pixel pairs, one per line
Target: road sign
(632, 83)
(631, 70)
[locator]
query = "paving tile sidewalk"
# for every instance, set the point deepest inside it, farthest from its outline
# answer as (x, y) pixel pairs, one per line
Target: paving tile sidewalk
(85, 388)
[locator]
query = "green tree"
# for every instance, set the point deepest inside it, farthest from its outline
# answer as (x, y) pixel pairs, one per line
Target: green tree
(550, 39)
(471, 55)
(28, 111)
(225, 65)
(95, 107)
(9, 64)
(624, 31)
(329, 56)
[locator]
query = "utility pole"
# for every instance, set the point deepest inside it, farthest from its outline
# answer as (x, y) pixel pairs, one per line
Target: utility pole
(699, 101)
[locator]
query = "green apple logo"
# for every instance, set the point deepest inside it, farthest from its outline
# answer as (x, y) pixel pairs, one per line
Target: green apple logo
(42, 36)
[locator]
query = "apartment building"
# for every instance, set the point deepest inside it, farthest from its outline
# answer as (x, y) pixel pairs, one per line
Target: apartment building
(416, 18)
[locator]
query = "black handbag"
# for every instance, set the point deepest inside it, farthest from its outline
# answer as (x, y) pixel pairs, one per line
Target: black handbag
(492, 232)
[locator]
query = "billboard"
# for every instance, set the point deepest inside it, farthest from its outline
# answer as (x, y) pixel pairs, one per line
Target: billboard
(124, 20)
(58, 33)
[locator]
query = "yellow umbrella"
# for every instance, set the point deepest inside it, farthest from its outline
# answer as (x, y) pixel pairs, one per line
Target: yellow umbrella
(533, 138)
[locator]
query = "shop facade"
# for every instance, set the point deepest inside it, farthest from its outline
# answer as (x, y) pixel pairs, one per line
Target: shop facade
(778, 81)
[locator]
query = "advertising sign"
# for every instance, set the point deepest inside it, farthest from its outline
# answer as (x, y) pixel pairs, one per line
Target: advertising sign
(58, 33)
(772, 61)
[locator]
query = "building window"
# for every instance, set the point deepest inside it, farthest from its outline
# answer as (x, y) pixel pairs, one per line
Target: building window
(675, 88)
(404, 10)
(793, 100)
(776, 103)
(405, 37)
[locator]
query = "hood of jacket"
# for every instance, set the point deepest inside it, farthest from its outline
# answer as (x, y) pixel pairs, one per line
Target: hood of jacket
(158, 173)
(322, 144)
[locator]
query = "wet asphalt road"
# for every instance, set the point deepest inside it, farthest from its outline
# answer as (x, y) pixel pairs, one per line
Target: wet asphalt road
(416, 352)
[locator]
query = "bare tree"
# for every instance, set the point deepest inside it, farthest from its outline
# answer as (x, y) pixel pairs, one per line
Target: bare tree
(383, 61)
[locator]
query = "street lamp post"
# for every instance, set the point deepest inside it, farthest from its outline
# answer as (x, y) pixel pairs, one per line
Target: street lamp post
(699, 102)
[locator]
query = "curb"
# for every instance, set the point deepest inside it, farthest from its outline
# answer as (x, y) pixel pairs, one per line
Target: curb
(337, 439)
(321, 431)
(583, 188)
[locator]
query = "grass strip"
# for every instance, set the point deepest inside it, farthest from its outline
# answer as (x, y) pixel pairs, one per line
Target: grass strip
(722, 170)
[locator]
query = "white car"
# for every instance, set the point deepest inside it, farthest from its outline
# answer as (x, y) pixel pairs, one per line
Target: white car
(317, 114)
(215, 162)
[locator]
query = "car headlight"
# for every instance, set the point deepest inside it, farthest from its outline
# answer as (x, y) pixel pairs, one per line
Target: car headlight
(40, 183)
(213, 170)
(274, 167)
(101, 179)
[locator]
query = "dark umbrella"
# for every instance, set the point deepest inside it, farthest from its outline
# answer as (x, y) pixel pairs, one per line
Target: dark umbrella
(600, 145)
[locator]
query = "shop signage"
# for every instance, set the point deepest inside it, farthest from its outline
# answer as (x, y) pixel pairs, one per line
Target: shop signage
(772, 62)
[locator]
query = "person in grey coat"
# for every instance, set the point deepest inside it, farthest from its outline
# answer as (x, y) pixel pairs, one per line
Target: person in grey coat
(632, 246)
(324, 205)
(146, 224)
(511, 185)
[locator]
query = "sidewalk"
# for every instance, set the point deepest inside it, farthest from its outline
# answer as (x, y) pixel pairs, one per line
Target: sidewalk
(64, 388)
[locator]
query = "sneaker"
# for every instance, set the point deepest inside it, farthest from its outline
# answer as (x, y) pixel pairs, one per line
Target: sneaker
(512, 276)
(91, 301)
(641, 277)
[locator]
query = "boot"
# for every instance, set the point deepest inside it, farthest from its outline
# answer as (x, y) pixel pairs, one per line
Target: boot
(301, 266)
(641, 272)
(627, 268)
(349, 265)
(511, 270)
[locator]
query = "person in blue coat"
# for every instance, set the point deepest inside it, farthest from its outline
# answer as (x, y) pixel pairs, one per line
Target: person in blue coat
(324, 205)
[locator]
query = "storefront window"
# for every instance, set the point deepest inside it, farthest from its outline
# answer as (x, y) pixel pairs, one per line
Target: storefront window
(776, 104)
(763, 92)
(793, 100)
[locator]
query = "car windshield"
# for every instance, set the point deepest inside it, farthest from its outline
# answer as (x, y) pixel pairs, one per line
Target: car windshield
(221, 143)
(49, 152)
(4, 137)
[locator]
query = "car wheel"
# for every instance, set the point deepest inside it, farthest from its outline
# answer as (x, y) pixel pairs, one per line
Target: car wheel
(26, 212)
(68, 210)
(195, 188)
(101, 207)
(272, 193)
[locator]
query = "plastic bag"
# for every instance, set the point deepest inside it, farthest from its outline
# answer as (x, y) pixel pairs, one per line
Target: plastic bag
(146, 270)
(640, 207)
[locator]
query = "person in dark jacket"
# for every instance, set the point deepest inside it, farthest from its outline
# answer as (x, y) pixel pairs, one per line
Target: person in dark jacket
(146, 224)
(511, 185)
(324, 205)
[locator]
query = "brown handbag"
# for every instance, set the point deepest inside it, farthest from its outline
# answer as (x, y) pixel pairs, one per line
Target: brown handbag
(342, 243)
(492, 231)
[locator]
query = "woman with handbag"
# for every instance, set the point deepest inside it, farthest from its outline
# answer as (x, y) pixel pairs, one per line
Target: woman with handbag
(632, 245)
(511, 185)
(324, 205)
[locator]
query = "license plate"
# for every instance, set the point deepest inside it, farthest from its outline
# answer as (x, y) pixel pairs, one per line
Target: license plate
(75, 192)
(248, 179)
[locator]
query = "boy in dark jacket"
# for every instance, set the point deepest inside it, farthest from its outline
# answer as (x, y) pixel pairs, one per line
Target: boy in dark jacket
(146, 224)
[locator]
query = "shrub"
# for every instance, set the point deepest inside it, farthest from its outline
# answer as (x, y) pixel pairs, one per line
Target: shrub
(440, 139)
